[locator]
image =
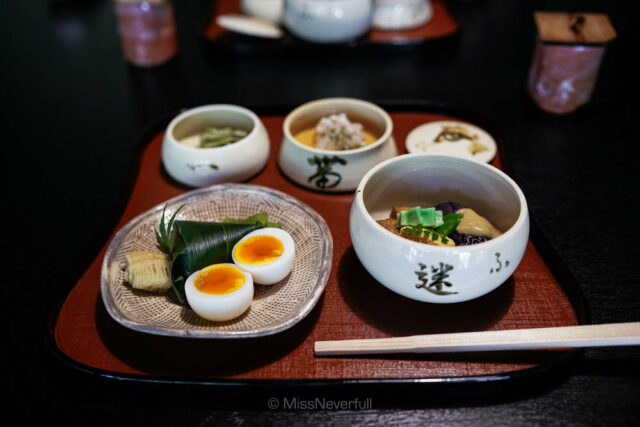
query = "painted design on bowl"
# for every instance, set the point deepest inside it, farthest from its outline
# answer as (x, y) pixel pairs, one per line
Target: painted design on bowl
(458, 133)
(438, 275)
(500, 264)
(325, 177)
(197, 166)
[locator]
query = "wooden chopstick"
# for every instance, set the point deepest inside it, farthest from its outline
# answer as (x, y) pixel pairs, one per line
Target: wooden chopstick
(611, 334)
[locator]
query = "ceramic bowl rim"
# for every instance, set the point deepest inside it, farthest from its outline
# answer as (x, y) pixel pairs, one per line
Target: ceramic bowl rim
(212, 108)
(519, 223)
(385, 137)
(333, 3)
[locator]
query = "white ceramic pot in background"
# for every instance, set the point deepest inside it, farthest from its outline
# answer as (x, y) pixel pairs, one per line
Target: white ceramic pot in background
(334, 170)
(401, 14)
(438, 274)
(328, 21)
(265, 9)
(199, 167)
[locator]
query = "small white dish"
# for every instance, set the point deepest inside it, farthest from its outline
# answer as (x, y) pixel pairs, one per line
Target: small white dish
(453, 138)
(328, 21)
(334, 170)
(199, 167)
(250, 26)
(438, 274)
(401, 14)
(265, 9)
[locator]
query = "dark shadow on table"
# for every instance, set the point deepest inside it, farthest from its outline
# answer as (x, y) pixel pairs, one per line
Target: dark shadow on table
(198, 358)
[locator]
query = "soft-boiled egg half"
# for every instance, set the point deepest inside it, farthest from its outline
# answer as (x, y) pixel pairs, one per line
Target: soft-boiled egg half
(219, 292)
(267, 254)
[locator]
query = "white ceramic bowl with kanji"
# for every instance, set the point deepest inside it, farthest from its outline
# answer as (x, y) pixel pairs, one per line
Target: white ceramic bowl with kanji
(438, 274)
(334, 170)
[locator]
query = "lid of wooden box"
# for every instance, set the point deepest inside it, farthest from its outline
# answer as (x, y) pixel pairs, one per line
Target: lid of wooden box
(574, 28)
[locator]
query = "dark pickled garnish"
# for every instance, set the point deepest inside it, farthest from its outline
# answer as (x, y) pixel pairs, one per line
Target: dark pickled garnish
(449, 207)
(467, 239)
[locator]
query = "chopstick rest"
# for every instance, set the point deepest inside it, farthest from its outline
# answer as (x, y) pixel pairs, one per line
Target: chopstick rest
(611, 334)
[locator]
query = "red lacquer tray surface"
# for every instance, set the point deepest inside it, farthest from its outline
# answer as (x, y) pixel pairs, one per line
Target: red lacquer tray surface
(441, 25)
(354, 305)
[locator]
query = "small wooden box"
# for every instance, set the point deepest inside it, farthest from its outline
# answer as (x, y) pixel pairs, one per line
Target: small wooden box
(566, 60)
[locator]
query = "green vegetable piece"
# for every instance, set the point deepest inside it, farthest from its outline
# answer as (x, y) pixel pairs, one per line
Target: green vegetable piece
(217, 137)
(411, 216)
(426, 217)
(438, 218)
(450, 222)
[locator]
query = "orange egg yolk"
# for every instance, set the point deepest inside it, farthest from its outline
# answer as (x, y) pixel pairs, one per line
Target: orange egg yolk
(219, 279)
(259, 250)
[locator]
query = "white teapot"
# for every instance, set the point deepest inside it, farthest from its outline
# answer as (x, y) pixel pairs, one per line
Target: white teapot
(328, 21)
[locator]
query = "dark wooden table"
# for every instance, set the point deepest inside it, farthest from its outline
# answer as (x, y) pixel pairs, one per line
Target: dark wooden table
(72, 115)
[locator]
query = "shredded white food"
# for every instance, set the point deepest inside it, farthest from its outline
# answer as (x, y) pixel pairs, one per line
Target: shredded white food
(336, 132)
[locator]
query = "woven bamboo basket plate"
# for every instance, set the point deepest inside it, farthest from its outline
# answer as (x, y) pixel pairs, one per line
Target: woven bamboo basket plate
(273, 309)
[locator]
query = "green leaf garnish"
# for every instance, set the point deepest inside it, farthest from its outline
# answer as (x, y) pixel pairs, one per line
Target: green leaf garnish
(165, 235)
(450, 222)
(427, 232)
(261, 218)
